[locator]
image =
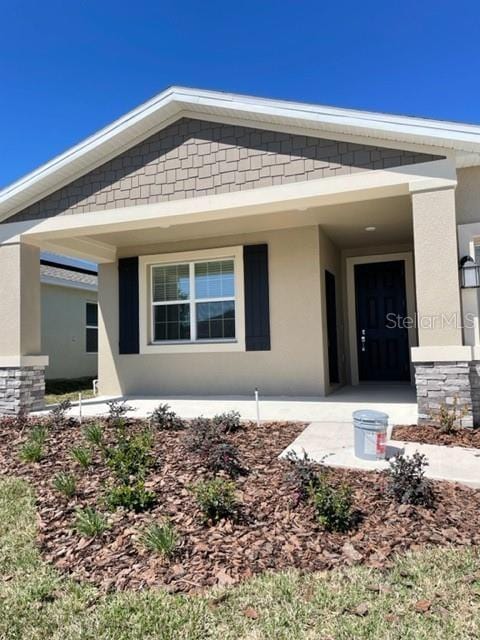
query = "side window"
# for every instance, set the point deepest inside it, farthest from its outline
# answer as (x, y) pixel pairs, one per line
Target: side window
(91, 327)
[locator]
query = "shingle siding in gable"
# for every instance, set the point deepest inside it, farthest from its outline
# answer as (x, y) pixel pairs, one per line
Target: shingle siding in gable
(192, 158)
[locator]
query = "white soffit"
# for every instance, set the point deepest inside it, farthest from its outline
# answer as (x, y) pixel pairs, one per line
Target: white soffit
(171, 104)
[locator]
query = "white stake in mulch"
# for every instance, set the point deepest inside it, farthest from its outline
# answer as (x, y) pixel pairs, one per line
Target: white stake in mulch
(80, 407)
(258, 406)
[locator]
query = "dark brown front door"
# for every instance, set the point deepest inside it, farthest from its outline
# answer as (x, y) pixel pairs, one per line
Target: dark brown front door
(382, 341)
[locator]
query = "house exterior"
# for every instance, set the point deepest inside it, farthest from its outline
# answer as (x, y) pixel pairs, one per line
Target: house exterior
(245, 243)
(69, 319)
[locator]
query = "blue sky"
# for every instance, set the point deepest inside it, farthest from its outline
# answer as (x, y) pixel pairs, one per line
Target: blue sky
(68, 68)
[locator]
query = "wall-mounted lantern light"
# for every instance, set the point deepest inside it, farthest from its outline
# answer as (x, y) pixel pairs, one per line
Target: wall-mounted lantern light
(469, 273)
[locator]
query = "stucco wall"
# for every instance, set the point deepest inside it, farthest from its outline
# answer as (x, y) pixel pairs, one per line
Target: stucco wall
(293, 366)
(467, 195)
(194, 157)
(63, 332)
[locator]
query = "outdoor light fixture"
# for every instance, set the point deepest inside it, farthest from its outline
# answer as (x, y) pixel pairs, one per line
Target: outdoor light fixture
(370, 228)
(469, 273)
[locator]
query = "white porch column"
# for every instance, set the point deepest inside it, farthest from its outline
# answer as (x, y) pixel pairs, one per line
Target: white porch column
(22, 368)
(442, 362)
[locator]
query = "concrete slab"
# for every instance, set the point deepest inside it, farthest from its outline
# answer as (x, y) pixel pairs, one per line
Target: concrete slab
(397, 400)
(332, 443)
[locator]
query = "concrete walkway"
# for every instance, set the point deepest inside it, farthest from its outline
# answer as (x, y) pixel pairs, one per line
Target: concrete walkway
(332, 443)
(398, 401)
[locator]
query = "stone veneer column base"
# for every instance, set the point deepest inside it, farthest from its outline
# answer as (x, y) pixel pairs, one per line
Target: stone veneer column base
(448, 384)
(22, 389)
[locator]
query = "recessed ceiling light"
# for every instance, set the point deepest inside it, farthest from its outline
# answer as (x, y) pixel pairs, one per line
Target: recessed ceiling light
(370, 228)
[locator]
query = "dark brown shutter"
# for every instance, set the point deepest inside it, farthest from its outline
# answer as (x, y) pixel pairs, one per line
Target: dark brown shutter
(129, 341)
(257, 307)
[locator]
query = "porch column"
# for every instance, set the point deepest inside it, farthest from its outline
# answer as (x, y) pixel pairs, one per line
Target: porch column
(442, 363)
(22, 368)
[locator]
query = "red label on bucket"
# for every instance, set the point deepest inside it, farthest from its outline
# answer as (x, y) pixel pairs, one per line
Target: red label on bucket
(380, 444)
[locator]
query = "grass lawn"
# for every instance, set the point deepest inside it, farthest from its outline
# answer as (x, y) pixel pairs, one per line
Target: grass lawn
(429, 595)
(58, 390)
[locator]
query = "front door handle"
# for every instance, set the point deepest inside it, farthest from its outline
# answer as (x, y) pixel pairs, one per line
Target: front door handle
(363, 340)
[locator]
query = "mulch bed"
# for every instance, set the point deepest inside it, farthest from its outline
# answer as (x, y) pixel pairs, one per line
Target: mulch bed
(429, 434)
(273, 532)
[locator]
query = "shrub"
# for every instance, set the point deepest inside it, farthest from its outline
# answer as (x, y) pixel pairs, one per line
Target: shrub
(82, 456)
(228, 422)
(65, 484)
(223, 456)
(130, 457)
(202, 435)
(133, 497)
(333, 506)
(94, 434)
(216, 498)
(160, 538)
(166, 419)
(58, 415)
(117, 411)
(407, 481)
(450, 418)
(33, 449)
(303, 475)
(89, 523)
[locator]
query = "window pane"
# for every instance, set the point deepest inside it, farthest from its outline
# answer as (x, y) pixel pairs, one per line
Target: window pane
(92, 314)
(171, 322)
(214, 279)
(92, 340)
(171, 282)
(215, 320)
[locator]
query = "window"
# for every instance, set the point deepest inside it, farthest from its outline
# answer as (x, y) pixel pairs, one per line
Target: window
(193, 301)
(91, 331)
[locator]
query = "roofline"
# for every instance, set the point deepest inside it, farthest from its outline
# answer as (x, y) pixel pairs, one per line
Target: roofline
(68, 267)
(157, 112)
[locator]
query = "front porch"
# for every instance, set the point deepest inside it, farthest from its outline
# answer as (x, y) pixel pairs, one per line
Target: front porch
(398, 401)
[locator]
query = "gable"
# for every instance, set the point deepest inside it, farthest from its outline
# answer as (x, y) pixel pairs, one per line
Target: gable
(194, 157)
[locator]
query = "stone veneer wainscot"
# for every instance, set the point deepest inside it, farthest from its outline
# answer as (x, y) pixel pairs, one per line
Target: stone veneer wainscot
(21, 389)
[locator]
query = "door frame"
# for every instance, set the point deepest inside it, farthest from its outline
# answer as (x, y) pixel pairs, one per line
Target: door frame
(407, 258)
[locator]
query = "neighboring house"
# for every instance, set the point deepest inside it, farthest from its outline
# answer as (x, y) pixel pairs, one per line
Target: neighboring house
(245, 242)
(69, 320)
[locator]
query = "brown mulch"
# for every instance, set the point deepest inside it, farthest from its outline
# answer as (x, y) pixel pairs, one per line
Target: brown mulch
(272, 533)
(429, 434)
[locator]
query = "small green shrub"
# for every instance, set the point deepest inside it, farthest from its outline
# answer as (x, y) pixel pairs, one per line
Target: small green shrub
(117, 413)
(216, 498)
(303, 475)
(94, 434)
(202, 435)
(407, 483)
(333, 506)
(133, 497)
(89, 523)
(228, 422)
(32, 451)
(65, 483)
(82, 456)
(165, 419)
(223, 456)
(58, 415)
(130, 457)
(160, 538)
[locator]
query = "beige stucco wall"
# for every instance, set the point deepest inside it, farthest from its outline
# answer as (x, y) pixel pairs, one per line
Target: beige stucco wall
(293, 366)
(436, 268)
(63, 332)
(331, 260)
(467, 195)
(20, 300)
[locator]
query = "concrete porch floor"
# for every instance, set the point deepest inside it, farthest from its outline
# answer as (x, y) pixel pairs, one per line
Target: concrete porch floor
(332, 443)
(397, 400)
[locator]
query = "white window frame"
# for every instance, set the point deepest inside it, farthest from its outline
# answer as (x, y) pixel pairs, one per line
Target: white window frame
(90, 326)
(146, 264)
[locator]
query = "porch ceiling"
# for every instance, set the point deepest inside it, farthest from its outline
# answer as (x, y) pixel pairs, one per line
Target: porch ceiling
(345, 224)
